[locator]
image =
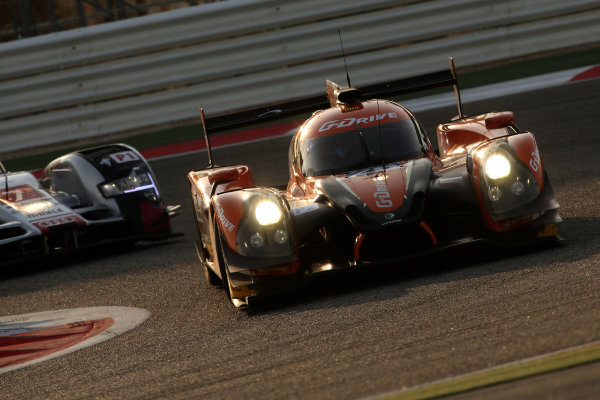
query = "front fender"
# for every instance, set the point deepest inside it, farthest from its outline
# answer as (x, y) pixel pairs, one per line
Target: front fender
(248, 242)
(521, 194)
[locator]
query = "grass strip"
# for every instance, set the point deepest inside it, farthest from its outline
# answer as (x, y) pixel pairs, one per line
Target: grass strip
(526, 368)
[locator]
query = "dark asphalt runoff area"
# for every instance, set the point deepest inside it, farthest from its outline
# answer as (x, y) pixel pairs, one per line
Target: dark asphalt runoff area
(347, 335)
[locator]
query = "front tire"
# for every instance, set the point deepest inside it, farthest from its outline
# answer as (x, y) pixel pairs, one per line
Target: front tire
(237, 302)
(210, 275)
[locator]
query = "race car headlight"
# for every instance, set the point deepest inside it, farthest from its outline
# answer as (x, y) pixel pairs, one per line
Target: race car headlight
(506, 182)
(265, 228)
(129, 184)
(497, 167)
(267, 212)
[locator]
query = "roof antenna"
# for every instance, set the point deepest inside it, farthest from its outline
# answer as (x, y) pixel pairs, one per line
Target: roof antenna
(208, 147)
(456, 89)
(344, 57)
(4, 171)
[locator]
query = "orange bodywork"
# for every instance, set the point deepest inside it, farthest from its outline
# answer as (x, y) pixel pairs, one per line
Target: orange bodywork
(366, 185)
(228, 209)
(457, 137)
(372, 189)
(526, 149)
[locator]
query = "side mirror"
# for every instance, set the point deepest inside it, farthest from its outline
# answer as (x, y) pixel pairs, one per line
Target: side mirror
(499, 120)
(224, 175)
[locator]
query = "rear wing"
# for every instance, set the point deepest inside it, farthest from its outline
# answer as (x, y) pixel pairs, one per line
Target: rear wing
(417, 83)
(431, 80)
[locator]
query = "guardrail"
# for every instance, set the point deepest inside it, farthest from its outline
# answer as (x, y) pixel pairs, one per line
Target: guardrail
(152, 71)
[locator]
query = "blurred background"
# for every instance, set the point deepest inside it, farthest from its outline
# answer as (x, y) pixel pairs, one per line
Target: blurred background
(28, 18)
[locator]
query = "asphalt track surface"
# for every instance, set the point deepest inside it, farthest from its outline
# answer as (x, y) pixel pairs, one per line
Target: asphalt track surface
(346, 335)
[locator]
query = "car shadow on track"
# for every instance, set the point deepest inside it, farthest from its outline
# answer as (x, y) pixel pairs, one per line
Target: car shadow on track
(348, 287)
(39, 264)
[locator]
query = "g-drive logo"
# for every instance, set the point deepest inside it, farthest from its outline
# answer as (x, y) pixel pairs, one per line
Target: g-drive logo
(347, 122)
(221, 215)
(382, 195)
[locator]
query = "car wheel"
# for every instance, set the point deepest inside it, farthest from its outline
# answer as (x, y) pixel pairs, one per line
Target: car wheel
(223, 263)
(211, 277)
(239, 303)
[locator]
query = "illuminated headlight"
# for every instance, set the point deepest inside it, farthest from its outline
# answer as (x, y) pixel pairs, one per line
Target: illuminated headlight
(264, 229)
(506, 181)
(497, 166)
(128, 184)
(267, 212)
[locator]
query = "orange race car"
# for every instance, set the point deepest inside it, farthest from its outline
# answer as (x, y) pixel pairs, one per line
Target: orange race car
(366, 185)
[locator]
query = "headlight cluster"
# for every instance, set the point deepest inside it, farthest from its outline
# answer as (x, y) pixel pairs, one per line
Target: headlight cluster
(506, 182)
(265, 231)
(135, 182)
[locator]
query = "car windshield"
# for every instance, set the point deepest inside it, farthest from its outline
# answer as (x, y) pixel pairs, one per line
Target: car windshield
(360, 148)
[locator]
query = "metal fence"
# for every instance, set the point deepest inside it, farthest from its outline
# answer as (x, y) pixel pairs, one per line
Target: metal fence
(155, 70)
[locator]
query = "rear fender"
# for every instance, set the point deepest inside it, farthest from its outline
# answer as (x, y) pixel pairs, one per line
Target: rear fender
(456, 137)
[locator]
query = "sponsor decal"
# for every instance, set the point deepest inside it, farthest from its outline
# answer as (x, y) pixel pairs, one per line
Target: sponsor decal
(124, 156)
(224, 221)
(65, 219)
(396, 221)
(38, 208)
(517, 221)
(534, 162)
(347, 122)
(304, 209)
(45, 212)
(382, 195)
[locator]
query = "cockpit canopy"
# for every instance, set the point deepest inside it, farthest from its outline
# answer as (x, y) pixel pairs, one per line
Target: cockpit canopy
(337, 141)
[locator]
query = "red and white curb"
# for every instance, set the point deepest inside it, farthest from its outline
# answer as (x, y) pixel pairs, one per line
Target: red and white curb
(28, 339)
(220, 141)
